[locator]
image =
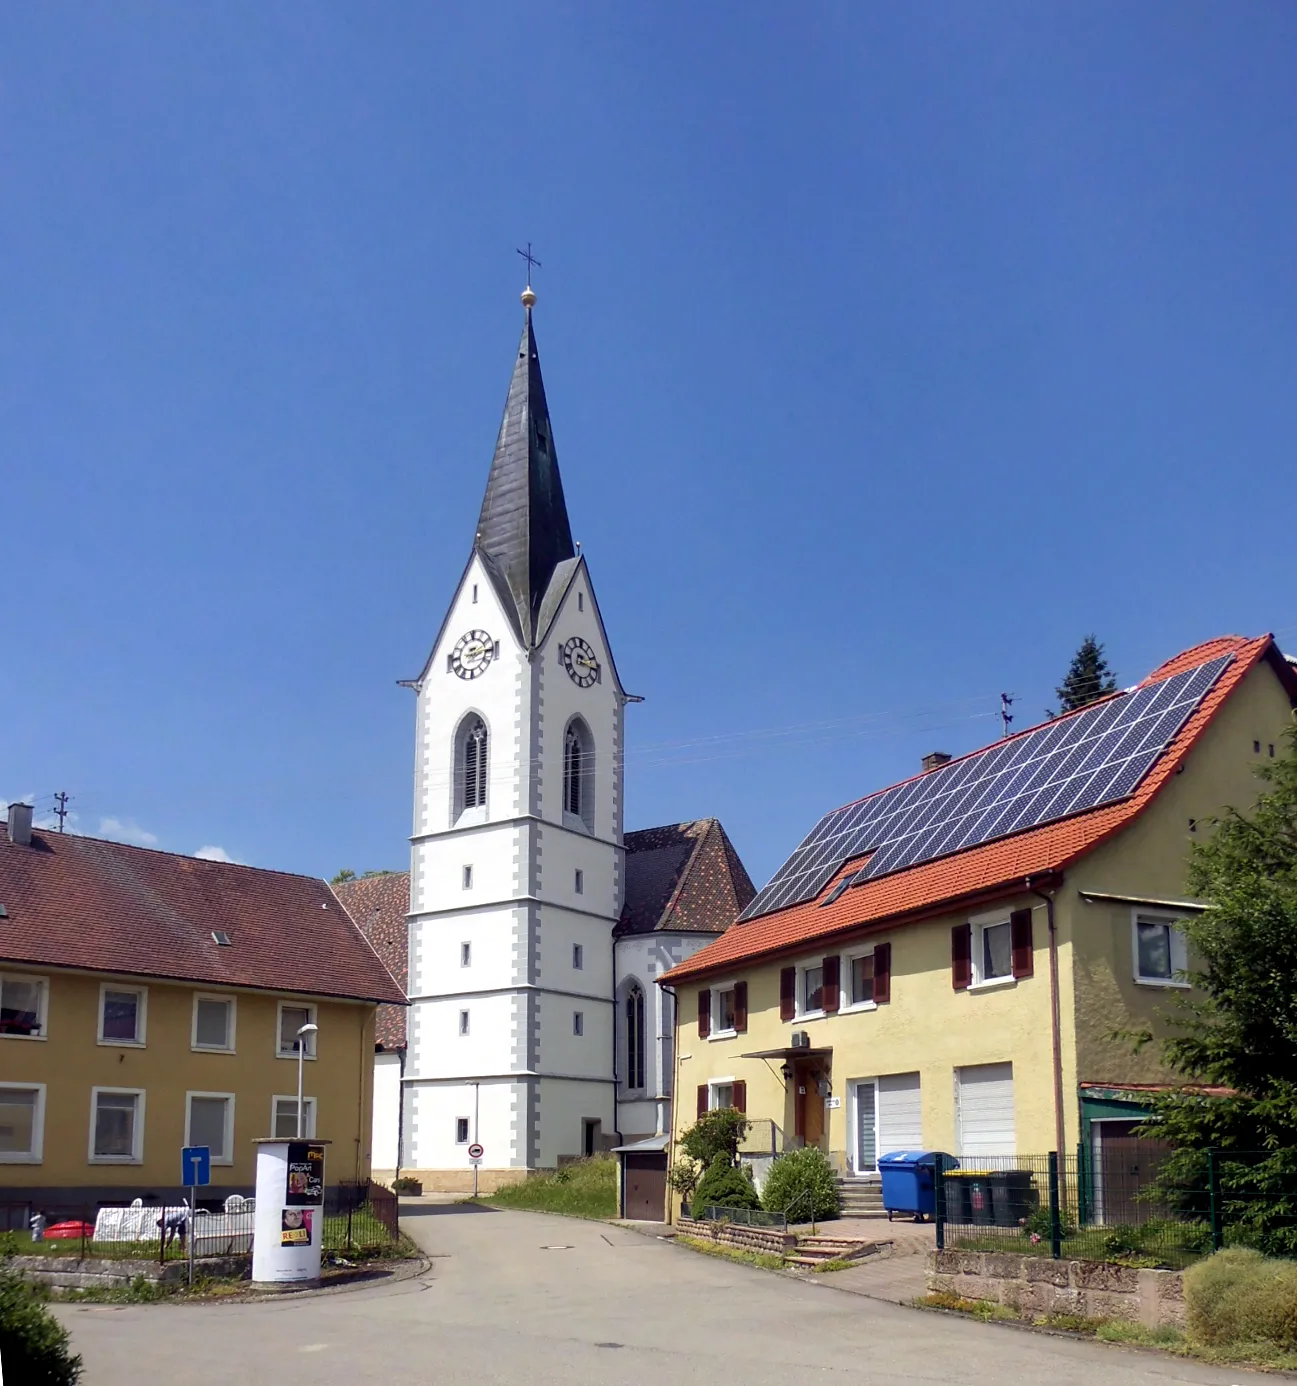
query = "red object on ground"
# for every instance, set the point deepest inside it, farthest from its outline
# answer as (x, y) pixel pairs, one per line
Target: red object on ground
(70, 1229)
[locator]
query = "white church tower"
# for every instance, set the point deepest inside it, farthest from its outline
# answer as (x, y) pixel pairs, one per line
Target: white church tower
(516, 879)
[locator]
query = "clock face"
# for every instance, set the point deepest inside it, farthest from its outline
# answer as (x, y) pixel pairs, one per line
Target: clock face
(472, 654)
(580, 663)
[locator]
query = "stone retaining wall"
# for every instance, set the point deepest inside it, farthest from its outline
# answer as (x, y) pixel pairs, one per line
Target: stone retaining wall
(773, 1241)
(62, 1273)
(1037, 1285)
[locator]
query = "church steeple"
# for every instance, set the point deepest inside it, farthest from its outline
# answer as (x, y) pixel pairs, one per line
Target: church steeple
(523, 530)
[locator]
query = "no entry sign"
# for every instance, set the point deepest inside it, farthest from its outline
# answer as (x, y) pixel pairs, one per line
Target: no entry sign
(475, 1152)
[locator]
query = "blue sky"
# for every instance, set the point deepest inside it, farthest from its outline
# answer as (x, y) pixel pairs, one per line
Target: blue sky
(890, 349)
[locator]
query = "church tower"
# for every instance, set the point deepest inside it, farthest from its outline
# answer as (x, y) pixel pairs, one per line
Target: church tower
(516, 867)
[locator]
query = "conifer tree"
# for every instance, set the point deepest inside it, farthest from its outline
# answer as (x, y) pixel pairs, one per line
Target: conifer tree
(1087, 679)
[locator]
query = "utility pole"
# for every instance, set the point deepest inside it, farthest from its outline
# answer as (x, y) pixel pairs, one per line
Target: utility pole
(61, 807)
(1006, 717)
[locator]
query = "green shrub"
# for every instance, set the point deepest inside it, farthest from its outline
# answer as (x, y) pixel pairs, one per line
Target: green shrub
(1239, 1297)
(715, 1133)
(802, 1181)
(33, 1344)
(724, 1186)
(406, 1185)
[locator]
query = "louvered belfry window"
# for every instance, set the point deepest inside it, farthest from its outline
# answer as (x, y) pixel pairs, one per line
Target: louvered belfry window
(573, 758)
(475, 765)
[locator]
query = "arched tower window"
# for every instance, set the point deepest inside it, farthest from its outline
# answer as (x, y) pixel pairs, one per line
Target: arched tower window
(578, 775)
(471, 763)
(635, 1036)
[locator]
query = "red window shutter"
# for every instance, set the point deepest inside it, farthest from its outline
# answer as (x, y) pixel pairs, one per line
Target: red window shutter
(832, 983)
(704, 1013)
(702, 1099)
(787, 993)
(961, 956)
(1023, 943)
(882, 973)
(740, 1006)
(740, 1096)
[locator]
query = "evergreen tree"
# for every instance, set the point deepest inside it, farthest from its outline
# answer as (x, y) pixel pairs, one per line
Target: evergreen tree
(1087, 679)
(1234, 1037)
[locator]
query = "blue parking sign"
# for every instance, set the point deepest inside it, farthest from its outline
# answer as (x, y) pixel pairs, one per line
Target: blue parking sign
(195, 1165)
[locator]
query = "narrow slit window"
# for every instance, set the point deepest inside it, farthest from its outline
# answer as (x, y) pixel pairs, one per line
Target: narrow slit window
(578, 1022)
(463, 1022)
(468, 878)
(465, 955)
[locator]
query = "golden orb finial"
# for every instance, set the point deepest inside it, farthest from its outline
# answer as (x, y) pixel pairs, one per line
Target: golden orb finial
(528, 297)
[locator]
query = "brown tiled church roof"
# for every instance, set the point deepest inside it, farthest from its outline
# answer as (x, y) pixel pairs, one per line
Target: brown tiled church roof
(683, 878)
(379, 905)
(72, 901)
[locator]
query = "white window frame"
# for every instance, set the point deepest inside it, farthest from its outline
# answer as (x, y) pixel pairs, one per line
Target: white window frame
(714, 1085)
(233, 1003)
(308, 1106)
(802, 969)
(1179, 948)
(853, 1087)
(847, 974)
(141, 1015)
(36, 1155)
(228, 1097)
(980, 923)
(42, 1010)
(312, 1041)
(716, 1031)
(136, 1157)
(467, 1124)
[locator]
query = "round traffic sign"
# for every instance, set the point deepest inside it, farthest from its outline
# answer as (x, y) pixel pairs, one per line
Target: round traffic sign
(475, 1151)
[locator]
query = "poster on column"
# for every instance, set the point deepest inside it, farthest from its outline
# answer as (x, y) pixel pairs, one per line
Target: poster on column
(296, 1226)
(305, 1176)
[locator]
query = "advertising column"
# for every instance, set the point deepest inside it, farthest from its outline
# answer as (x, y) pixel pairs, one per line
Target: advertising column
(290, 1211)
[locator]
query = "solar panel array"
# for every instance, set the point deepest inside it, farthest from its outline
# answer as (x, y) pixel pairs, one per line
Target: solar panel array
(1094, 757)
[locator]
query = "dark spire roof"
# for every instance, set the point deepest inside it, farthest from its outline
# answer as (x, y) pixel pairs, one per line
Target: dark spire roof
(523, 529)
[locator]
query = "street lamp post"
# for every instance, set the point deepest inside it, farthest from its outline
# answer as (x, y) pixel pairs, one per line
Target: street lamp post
(301, 1055)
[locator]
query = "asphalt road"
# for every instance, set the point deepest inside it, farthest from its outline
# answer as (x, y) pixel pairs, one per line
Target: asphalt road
(521, 1299)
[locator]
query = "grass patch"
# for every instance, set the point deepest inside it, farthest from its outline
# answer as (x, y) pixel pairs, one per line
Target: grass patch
(763, 1260)
(1117, 1331)
(984, 1309)
(1156, 1245)
(583, 1189)
(836, 1264)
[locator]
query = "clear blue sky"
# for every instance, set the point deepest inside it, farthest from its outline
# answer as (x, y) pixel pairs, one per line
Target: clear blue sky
(890, 349)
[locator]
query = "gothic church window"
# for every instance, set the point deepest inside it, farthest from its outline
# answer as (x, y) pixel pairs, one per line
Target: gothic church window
(635, 1036)
(578, 775)
(471, 764)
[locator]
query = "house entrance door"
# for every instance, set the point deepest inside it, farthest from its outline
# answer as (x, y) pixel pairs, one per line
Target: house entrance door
(810, 1104)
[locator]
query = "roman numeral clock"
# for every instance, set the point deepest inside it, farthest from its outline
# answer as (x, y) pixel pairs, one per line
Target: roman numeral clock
(579, 661)
(472, 654)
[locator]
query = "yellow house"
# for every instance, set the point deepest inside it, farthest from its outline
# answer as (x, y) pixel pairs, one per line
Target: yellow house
(942, 965)
(150, 1001)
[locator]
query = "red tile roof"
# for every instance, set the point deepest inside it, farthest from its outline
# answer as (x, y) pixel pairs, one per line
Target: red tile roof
(991, 866)
(379, 905)
(102, 906)
(683, 878)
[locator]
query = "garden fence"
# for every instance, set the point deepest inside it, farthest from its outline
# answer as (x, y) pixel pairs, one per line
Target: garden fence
(1140, 1202)
(358, 1218)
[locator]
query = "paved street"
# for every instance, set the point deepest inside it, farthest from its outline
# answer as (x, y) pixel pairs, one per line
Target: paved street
(521, 1299)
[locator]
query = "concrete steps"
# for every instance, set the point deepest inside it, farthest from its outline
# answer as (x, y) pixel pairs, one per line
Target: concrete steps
(861, 1198)
(814, 1251)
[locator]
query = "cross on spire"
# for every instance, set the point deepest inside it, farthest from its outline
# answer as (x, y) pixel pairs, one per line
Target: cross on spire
(532, 262)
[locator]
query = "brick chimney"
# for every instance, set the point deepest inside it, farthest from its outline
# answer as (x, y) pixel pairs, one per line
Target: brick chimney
(20, 825)
(935, 759)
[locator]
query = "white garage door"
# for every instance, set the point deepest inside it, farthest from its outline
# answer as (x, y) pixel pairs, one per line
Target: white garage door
(900, 1113)
(984, 1097)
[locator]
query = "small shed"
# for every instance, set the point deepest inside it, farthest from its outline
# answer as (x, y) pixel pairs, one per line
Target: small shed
(643, 1181)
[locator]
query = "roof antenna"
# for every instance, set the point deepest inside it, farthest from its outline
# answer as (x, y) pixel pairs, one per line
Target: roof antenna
(1006, 717)
(61, 807)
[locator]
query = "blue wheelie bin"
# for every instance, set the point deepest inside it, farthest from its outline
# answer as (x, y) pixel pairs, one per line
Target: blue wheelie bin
(909, 1182)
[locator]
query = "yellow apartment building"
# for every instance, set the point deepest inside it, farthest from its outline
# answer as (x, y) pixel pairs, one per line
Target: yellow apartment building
(150, 1001)
(943, 965)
